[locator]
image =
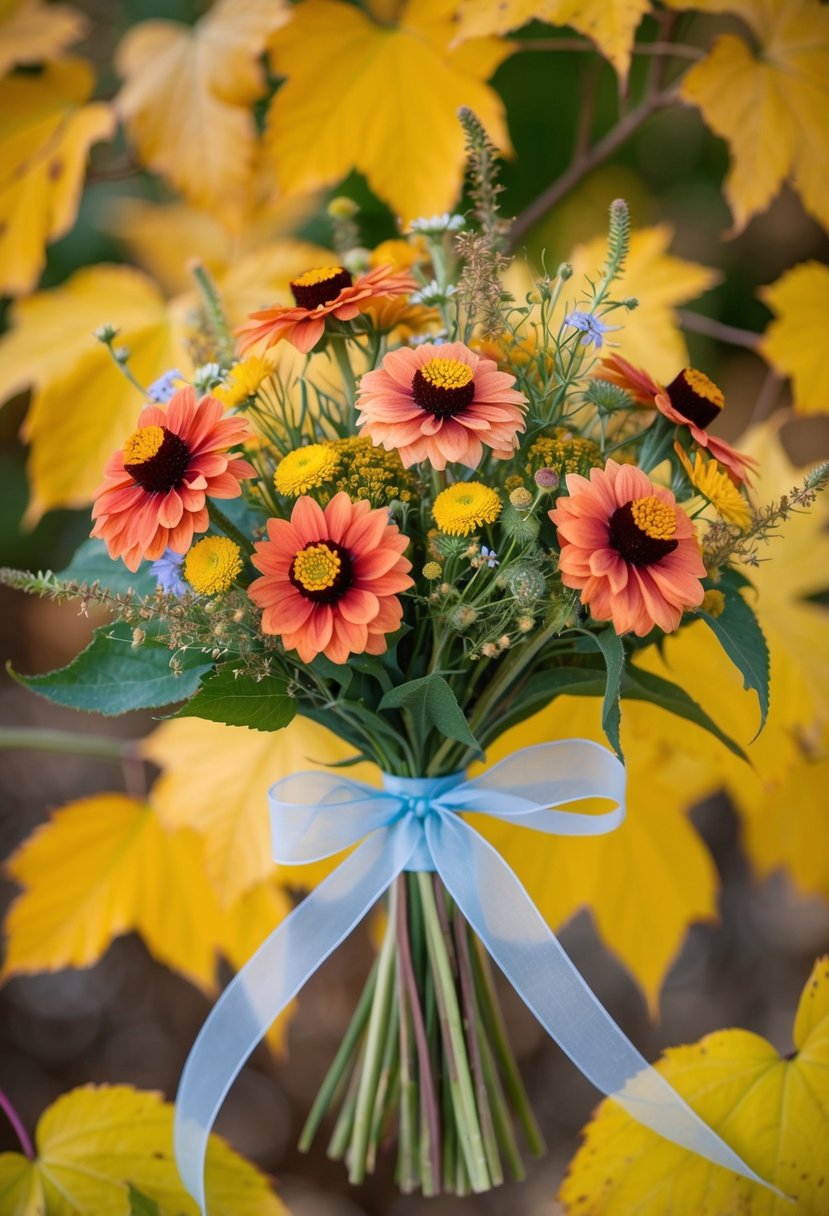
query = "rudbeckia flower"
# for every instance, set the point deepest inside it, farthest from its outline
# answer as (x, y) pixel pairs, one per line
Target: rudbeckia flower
(691, 400)
(155, 489)
(629, 549)
(441, 403)
(326, 291)
(330, 578)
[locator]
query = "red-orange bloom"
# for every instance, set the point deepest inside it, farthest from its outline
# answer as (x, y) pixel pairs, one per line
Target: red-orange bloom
(441, 403)
(327, 291)
(330, 578)
(691, 400)
(629, 549)
(154, 492)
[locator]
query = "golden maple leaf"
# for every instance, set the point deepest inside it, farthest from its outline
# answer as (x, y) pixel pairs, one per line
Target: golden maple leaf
(227, 802)
(95, 1142)
(85, 879)
(31, 31)
(794, 340)
(187, 100)
(772, 1110)
(46, 132)
(382, 99)
(611, 24)
(770, 105)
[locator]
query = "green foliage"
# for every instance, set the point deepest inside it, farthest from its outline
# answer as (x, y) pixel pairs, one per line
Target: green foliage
(241, 701)
(639, 685)
(738, 632)
(432, 704)
(92, 564)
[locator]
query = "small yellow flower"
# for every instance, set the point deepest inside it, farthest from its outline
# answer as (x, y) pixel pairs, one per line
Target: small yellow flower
(305, 469)
(714, 484)
(713, 602)
(211, 565)
(432, 570)
(465, 506)
(521, 498)
(243, 380)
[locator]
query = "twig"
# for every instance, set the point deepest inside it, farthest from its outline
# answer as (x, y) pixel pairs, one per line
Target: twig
(712, 328)
(768, 397)
(17, 1123)
(580, 168)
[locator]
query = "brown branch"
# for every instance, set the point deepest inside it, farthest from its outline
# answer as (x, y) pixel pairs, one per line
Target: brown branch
(712, 328)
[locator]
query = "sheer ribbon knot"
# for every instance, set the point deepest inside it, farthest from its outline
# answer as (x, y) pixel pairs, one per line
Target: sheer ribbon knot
(415, 824)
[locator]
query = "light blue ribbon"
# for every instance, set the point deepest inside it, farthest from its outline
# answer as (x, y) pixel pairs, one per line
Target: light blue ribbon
(413, 824)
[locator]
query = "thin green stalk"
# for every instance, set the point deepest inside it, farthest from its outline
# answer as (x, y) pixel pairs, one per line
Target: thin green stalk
(407, 1156)
(225, 343)
(229, 528)
(338, 345)
(339, 1064)
(341, 1134)
(410, 1003)
(460, 1079)
(376, 1036)
(494, 1025)
(385, 1083)
(66, 743)
(500, 1110)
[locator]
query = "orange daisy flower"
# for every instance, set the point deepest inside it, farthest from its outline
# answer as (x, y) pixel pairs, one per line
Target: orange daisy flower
(327, 291)
(629, 548)
(330, 578)
(441, 403)
(154, 492)
(691, 400)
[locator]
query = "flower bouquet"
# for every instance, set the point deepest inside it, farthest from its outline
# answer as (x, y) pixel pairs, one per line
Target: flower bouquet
(462, 505)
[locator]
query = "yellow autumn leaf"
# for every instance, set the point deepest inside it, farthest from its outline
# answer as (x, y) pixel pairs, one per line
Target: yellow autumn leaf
(46, 132)
(31, 31)
(771, 105)
(645, 883)
(187, 100)
(611, 24)
(216, 778)
(382, 99)
(104, 866)
(793, 342)
(96, 1141)
(772, 1110)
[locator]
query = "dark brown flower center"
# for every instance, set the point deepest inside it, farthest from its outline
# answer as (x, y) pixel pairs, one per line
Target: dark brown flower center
(322, 572)
(695, 397)
(641, 531)
(443, 387)
(319, 286)
(156, 458)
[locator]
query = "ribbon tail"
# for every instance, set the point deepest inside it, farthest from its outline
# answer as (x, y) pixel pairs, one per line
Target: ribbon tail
(270, 981)
(521, 943)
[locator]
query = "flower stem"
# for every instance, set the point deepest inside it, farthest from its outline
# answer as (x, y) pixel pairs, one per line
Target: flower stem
(225, 344)
(218, 517)
(17, 1123)
(460, 1080)
(338, 345)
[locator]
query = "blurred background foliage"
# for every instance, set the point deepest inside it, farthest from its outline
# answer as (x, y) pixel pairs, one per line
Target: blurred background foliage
(726, 911)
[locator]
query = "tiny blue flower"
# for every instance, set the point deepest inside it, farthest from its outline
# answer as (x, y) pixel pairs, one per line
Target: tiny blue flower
(489, 555)
(592, 328)
(161, 390)
(167, 571)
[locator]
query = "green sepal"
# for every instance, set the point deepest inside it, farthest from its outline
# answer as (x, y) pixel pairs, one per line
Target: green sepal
(112, 676)
(432, 703)
(241, 701)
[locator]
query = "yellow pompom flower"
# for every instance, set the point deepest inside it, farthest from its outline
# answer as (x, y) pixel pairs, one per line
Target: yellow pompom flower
(243, 380)
(465, 506)
(713, 483)
(211, 565)
(305, 469)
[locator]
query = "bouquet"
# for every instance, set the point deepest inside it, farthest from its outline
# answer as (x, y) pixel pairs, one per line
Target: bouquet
(461, 505)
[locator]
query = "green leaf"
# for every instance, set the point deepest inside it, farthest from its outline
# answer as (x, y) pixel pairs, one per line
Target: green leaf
(241, 701)
(610, 644)
(542, 687)
(341, 673)
(432, 703)
(140, 1205)
(112, 677)
(92, 564)
(738, 632)
(640, 685)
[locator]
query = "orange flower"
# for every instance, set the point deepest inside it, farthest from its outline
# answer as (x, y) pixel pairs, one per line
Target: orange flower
(691, 400)
(441, 403)
(629, 549)
(154, 493)
(327, 291)
(330, 578)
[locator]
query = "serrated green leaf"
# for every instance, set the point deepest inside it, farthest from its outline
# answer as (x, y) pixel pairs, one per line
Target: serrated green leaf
(738, 632)
(92, 564)
(639, 685)
(112, 677)
(432, 703)
(610, 644)
(241, 701)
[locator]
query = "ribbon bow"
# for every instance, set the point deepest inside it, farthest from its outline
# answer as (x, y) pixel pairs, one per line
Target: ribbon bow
(413, 824)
